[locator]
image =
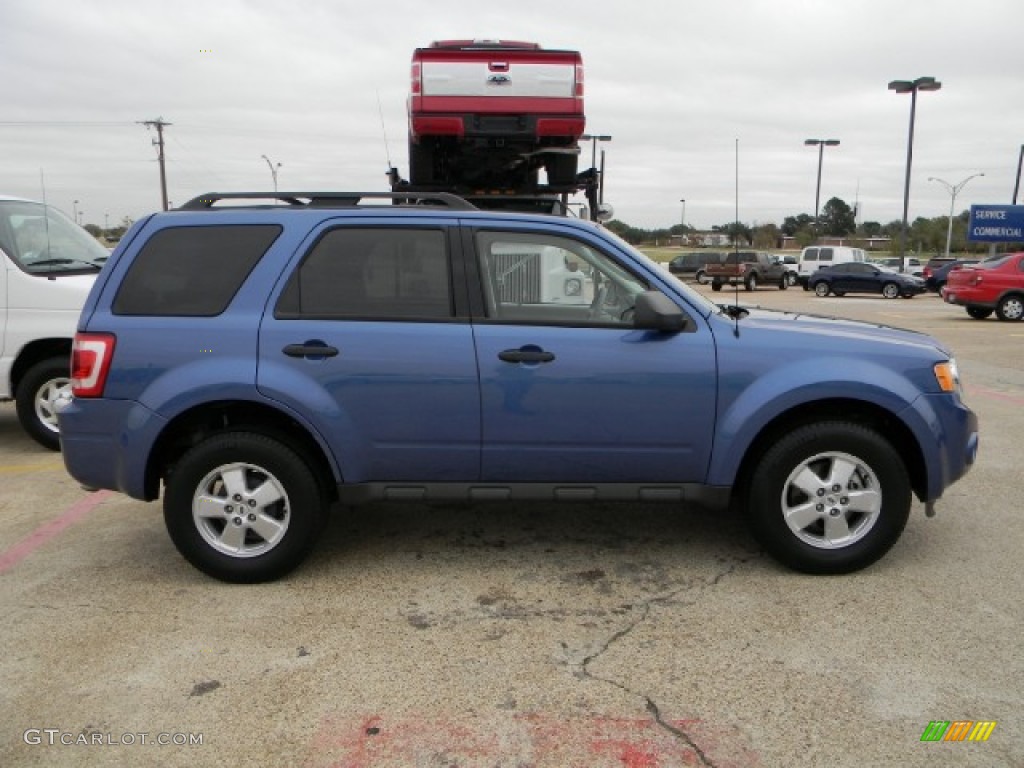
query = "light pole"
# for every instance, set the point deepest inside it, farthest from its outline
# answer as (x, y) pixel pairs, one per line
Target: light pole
(820, 144)
(593, 139)
(954, 190)
(273, 171)
(911, 87)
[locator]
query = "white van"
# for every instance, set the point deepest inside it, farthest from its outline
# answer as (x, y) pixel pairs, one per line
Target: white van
(47, 266)
(815, 257)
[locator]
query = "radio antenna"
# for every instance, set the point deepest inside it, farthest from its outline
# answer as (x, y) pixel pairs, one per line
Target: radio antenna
(736, 249)
(383, 130)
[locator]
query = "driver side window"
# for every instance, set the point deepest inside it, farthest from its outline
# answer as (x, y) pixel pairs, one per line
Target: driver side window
(536, 279)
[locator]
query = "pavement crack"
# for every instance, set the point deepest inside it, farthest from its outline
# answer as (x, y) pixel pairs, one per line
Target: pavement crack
(641, 611)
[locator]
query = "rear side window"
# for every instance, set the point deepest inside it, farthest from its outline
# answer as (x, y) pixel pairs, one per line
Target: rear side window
(825, 255)
(192, 271)
(811, 254)
(372, 274)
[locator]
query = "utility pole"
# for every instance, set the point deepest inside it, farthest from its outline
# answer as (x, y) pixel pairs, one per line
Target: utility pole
(159, 144)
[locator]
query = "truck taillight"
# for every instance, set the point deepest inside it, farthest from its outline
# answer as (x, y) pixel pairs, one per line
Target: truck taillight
(90, 361)
(579, 81)
(417, 78)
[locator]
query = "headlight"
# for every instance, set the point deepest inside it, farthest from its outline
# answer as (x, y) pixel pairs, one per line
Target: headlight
(947, 376)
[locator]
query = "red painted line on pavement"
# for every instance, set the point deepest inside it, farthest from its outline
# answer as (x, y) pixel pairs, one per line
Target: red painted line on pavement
(47, 531)
(974, 389)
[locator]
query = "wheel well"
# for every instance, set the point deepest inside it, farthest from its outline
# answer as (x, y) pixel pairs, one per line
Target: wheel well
(191, 427)
(32, 353)
(854, 411)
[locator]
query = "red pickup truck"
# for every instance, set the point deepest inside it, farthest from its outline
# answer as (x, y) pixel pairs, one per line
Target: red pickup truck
(494, 113)
(751, 268)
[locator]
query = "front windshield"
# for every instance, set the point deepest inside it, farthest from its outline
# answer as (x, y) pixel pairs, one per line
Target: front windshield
(43, 241)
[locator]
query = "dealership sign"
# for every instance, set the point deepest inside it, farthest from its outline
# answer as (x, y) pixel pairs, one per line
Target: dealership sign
(996, 224)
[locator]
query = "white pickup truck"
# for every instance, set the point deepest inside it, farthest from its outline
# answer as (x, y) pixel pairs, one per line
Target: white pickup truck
(47, 266)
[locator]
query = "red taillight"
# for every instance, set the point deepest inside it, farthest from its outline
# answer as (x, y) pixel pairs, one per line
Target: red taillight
(579, 81)
(417, 78)
(90, 361)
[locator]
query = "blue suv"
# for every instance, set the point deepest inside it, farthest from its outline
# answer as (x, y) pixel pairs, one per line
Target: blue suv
(261, 357)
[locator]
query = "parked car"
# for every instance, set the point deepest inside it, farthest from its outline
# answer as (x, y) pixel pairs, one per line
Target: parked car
(693, 264)
(262, 362)
(47, 266)
(749, 268)
(863, 277)
(937, 277)
(934, 263)
(994, 285)
(816, 257)
(913, 264)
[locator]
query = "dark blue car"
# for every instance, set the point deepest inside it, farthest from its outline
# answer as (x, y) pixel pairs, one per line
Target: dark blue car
(864, 277)
(258, 362)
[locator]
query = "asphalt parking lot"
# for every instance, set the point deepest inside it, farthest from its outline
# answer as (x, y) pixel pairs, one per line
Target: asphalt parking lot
(525, 635)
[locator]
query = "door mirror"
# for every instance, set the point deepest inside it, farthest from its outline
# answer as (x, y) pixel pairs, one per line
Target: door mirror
(654, 311)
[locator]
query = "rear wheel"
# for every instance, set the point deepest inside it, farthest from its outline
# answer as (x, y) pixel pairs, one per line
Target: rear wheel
(831, 497)
(891, 291)
(37, 394)
(979, 313)
(716, 285)
(1010, 308)
(561, 170)
(783, 283)
(751, 282)
(821, 289)
(243, 507)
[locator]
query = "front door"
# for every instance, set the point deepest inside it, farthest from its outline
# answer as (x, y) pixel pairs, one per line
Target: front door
(570, 391)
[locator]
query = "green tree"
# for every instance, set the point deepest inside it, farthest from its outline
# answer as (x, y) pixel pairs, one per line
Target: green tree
(793, 224)
(766, 236)
(837, 218)
(870, 229)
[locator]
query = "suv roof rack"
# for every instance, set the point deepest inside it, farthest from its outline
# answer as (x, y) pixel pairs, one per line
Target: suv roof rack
(330, 199)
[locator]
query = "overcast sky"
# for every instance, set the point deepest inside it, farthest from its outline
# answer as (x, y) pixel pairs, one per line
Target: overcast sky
(676, 83)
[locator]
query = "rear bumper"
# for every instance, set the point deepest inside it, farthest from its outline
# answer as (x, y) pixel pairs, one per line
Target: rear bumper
(106, 443)
(532, 127)
(965, 297)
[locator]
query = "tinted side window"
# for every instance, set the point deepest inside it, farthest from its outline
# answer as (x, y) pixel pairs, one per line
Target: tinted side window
(825, 255)
(811, 254)
(192, 271)
(371, 274)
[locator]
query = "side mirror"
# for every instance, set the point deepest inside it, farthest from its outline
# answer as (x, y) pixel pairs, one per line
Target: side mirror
(654, 311)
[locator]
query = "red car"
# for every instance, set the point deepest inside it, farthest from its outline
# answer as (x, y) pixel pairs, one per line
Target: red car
(994, 285)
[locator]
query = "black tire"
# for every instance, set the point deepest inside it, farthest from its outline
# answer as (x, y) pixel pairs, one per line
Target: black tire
(891, 291)
(701, 277)
(1010, 308)
(791, 279)
(562, 170)
(979, 313)
(37, 392)
(751, 282)
(266, 551)
(716, 285)
(821, 289)
(783, 283)
(421, 164)
(871, 506)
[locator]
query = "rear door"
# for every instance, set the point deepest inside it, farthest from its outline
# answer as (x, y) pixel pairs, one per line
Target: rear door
(368, 338)
(572, 392)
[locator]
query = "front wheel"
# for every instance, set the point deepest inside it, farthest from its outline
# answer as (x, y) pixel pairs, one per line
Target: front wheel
(831, 497)
(979, 313)
(821, 289)
(1010, 308)
(243, 507)
(890, 291)
(702, 277)
(37, 394)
